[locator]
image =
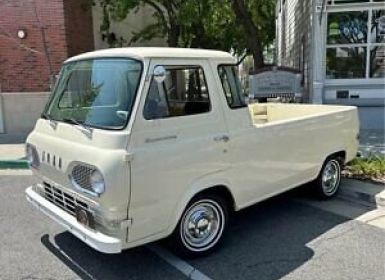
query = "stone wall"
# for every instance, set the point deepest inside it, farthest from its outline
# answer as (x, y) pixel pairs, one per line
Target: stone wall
(20, 110)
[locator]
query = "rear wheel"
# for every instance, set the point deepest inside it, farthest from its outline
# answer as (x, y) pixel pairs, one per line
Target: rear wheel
(201, 227)
(328, 181)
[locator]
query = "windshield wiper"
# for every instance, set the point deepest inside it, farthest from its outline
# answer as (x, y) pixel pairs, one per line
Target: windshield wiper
(77, 122)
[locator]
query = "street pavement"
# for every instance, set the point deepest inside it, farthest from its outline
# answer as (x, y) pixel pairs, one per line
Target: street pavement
(288, 237)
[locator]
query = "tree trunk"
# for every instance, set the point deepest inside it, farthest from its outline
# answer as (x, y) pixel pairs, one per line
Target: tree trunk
(173, 29)
(199, 36)
(172, 39)
(244, 17)
(173, 34)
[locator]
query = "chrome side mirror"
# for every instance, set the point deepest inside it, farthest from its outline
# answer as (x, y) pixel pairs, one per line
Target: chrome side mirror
(159, 74)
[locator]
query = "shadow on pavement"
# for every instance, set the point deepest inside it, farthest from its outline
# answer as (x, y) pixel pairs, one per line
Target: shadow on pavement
(269, 241)
(264, 242)
(137, 263)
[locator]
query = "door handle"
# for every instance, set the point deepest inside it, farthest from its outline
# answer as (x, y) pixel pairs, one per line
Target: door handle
(223, 138)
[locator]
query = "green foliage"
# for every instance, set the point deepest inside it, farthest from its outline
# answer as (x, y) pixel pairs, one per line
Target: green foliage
(372, 166)
(210, 24)
(263, 15)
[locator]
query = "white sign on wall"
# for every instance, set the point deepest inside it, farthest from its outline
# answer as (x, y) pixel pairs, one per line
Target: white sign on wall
(275, 83)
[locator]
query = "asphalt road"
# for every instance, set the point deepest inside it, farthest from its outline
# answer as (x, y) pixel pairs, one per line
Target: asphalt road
(282, 238)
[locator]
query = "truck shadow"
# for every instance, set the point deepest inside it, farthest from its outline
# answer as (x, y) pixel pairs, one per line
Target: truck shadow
(269, 240)
(266, 241)
(86, 263)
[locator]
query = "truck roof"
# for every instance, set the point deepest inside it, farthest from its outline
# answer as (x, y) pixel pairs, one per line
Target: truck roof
(159, 52)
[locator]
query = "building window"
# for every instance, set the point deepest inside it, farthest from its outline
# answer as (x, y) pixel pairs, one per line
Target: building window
(377, 48)
(347, 28)
(346, 63)
(355, 45)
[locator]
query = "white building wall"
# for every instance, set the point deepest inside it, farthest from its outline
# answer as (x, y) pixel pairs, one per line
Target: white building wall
(294, 25)
(16, 121)
(307, 20)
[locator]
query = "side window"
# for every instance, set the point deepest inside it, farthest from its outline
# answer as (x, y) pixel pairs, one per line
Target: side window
(183, 92)
(231, 87)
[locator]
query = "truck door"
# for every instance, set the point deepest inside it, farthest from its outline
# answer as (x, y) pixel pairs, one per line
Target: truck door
(179, 136)
(261, 164)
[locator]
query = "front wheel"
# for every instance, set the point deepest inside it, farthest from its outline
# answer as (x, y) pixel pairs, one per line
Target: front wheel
(201, 227)
(328, 181)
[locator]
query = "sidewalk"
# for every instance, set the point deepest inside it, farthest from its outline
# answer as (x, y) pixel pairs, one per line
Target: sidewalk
(12, 151)
(12, 156)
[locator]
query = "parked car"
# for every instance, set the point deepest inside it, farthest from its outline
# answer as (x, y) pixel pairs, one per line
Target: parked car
(140, 144)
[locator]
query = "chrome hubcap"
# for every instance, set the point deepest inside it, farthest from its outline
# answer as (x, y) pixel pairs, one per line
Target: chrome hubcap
(202, 225)
(331, 177)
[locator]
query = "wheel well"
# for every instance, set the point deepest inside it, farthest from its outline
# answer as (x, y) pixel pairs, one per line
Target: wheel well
(341, 156)
(221, 191)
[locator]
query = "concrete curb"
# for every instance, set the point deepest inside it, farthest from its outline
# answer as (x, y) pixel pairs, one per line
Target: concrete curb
(363, 192)
(13, 164)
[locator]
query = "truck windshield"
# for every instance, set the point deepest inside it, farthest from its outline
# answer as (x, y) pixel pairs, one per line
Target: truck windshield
(97, 93)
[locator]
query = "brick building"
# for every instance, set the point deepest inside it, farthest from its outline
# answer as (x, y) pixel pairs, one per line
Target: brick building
(36, 36)
(54, 30)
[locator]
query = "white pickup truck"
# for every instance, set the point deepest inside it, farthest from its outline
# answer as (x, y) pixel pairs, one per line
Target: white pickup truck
(139, 144)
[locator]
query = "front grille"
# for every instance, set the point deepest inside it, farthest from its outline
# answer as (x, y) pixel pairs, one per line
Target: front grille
(64, 200)
(81, 176)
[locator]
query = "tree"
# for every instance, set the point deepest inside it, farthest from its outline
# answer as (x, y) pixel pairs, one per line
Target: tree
(237, 25)
(257, 21)
(165, 19)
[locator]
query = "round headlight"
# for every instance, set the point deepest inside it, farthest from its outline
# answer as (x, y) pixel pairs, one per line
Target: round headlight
(97, 182)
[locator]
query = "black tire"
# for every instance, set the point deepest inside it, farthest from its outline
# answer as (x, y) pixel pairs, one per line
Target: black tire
(328, 181)
(201, 208)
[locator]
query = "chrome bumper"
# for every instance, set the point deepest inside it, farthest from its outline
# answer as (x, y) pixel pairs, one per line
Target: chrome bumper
(99, 241)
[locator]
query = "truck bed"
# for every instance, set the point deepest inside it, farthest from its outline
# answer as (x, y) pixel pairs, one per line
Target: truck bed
(271, 113)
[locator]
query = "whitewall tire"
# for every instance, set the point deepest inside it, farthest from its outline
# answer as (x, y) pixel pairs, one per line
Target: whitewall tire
(201, 227)
(328, 181)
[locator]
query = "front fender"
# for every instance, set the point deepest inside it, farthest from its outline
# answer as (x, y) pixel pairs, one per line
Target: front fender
(198, 186)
